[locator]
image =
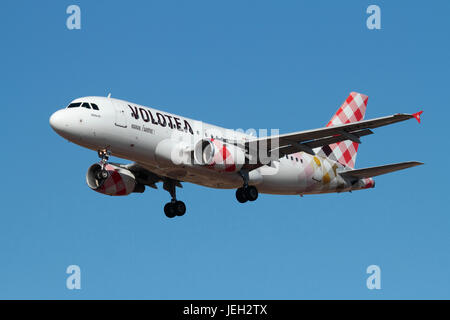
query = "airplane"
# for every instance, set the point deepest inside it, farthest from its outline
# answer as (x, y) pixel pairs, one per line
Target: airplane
(171, 149)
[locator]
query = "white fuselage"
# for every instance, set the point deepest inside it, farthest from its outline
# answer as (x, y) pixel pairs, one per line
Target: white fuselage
(147, 136)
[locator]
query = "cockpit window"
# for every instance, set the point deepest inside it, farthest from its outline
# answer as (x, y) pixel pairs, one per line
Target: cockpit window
(86, 105)
(74, 105)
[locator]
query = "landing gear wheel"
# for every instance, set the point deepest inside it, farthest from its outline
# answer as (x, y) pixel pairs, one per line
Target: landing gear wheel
(251, 193)
(170, 210)
(102, 174)
(180, 208)
(241, 196)
(174, 207)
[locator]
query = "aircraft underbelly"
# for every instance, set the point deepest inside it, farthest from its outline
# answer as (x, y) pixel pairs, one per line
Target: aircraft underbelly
(308, 175)
(201, 176)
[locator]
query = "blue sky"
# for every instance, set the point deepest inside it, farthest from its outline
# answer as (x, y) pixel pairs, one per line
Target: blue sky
(238, 64)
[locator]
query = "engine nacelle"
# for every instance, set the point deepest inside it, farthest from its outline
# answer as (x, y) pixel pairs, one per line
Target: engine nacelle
(219, 156)
(120, 182)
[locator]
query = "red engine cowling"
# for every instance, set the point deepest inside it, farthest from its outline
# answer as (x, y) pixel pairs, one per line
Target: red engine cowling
(219, 156)
(120, 182)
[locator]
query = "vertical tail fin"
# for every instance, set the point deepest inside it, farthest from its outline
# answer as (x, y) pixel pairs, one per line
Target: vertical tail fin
(352, 110)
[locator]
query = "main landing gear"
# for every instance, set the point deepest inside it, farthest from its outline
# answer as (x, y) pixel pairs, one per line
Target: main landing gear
(174, 207)
(246, 193)
(103, 174)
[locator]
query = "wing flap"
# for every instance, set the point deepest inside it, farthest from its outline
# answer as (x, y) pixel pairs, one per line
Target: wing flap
(319, 142)
(376, 171)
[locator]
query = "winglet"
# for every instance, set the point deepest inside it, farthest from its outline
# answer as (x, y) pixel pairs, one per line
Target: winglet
(417, 115)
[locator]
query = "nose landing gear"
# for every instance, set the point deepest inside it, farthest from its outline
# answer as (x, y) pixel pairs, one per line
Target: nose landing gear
(174, 207)
(103, 174)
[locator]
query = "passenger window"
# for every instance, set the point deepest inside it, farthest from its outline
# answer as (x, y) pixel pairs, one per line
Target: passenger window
(86, 105)
(94, 106)
(74, 105)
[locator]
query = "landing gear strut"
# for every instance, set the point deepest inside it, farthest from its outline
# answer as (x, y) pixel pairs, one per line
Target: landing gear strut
(103, 174)
(246, 192)
(174, 207)
(104, 156)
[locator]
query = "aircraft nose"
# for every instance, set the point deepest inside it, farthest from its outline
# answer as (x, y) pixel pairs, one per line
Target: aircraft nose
(57, 121)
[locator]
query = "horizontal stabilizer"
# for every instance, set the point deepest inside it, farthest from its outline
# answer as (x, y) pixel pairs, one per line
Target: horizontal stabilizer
(376, 171)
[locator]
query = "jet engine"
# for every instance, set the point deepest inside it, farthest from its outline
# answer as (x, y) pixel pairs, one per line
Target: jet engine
(219, 156)
(113, 180)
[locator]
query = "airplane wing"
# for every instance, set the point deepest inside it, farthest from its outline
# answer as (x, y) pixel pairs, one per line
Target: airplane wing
(376, 171)
(143, 176)
(307, 140)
